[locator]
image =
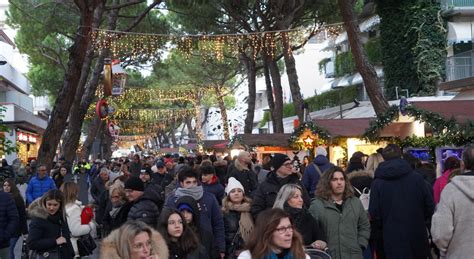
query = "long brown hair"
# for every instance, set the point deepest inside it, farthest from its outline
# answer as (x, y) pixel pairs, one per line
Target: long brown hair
(267, 222)
(14, 192)
(70, 191)
(323, 189)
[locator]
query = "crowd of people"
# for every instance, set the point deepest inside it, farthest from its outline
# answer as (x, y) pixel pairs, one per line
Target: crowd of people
(384, 205)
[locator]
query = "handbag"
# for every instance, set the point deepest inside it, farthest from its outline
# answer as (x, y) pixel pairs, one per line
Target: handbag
(85, 245)
(46, 255)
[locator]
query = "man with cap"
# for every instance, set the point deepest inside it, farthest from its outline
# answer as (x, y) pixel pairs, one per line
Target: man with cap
(160, 176)
(143, 203)
(282, 173)
(314, 170)
(156, 190)
(98, 185)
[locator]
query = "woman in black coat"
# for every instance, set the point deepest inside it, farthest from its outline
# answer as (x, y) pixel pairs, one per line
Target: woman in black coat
(49, 232)
(10, 187)
(289, 198)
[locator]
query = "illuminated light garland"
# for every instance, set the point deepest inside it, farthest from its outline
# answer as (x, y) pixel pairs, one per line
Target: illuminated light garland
(153, 114)
(131, 43)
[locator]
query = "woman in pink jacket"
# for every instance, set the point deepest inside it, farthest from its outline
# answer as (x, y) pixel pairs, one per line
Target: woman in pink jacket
(450, 164)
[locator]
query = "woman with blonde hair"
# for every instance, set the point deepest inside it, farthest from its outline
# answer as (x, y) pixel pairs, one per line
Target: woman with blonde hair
(238, 222)
(134, 240)
(49, 235)
(73, 214)
(289, 199)
(274, 237)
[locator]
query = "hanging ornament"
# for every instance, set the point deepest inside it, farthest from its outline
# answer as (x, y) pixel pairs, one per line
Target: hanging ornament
(107, 77)
(101, 109)
(113, 129)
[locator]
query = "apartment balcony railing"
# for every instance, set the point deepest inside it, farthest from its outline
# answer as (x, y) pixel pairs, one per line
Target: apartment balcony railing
(445, 4)
(460, 66)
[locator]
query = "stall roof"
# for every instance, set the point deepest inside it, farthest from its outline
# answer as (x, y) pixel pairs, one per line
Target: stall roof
(344, 127)
(215, 144)
(274, 139)
(461, 110)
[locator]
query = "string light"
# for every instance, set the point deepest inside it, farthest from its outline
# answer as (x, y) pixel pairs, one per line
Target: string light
(134, 44)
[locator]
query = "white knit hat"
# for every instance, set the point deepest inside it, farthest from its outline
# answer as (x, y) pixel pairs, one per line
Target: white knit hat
(232, 184)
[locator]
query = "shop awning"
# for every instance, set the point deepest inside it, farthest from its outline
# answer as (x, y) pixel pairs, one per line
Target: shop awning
(459, 32)
(357, 79)
(364, 26)
(342, 82)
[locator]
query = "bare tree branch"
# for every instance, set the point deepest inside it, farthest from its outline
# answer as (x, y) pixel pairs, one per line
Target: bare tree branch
(143, 14)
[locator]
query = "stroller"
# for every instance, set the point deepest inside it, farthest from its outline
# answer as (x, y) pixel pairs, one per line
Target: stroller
(316, 253)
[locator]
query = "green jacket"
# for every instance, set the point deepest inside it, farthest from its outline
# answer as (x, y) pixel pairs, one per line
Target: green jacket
(347, 233)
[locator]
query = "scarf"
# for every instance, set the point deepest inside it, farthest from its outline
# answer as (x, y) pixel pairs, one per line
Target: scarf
(196, 192)
(246, 221)
(286, 255)
(295, 213)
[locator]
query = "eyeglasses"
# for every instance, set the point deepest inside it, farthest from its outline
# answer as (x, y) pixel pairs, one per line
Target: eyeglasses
(282, 230)
(289, 164)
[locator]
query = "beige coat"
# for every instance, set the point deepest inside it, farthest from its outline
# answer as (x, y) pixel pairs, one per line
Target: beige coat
(109, 250)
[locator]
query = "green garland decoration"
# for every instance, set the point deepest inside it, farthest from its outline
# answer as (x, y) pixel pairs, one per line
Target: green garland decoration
(446, 131)
(236, 138)
(323, 134)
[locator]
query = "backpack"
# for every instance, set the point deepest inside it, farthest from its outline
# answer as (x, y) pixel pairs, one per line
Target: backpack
(364, 197)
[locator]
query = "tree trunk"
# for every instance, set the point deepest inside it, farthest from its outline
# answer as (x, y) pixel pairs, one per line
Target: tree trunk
(251, 78)
(277, 95)
(220, 101)
(106, 144)
(191, 132)
(94, 128)
(269, 88)
(173, 133)
(366, 70)
(67, 93)
(292, 77)
(81, 102)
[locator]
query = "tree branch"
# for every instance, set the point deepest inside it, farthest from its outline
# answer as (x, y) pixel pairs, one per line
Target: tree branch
(124, 5)
(142, 15)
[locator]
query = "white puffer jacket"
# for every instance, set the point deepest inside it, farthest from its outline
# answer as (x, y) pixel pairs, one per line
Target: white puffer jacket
(73, 213)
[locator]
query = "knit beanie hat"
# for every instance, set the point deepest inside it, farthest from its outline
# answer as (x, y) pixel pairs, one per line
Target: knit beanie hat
(185, 206)
(232, 184)
(278, 160)
(321, 151)
(135, 184)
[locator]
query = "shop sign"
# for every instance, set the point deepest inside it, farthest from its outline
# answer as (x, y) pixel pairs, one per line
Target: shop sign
(25, 137)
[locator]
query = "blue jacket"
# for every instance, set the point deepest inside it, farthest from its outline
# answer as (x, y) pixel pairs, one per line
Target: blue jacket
(311, 175)
(9, 219)
(37, 187)
(400, 205)
(210, 218)
(217, 189)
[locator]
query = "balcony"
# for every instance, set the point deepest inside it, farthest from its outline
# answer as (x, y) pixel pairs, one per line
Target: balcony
(461, 7)
(460, 66)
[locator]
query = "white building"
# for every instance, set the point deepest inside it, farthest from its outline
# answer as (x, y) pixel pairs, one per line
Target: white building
(25, 122)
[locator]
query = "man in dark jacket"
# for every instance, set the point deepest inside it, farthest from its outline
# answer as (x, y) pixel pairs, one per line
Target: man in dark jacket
(9, 222)
(98, 185)
(143, 203)
(210, 182)
(242, 171)
(160, 176)
(314, 170)
(400, 205)
(283, 173)
(210, 212)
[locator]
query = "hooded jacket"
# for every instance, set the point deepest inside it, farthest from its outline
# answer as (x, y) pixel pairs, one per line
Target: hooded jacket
(400, 205)
(37, 187)
(311, 175)
(45, 229)
(109, 246)
(145, 208)
(248, 178)
(451, 226)
(266, 193)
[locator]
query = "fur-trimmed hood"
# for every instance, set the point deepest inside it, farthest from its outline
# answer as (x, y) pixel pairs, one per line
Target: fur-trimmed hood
(36, 210)
(108, 247)
(220, 163)
(360, 173)
(240, 166)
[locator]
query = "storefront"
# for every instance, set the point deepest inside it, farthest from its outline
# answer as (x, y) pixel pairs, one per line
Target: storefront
(27, 144)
